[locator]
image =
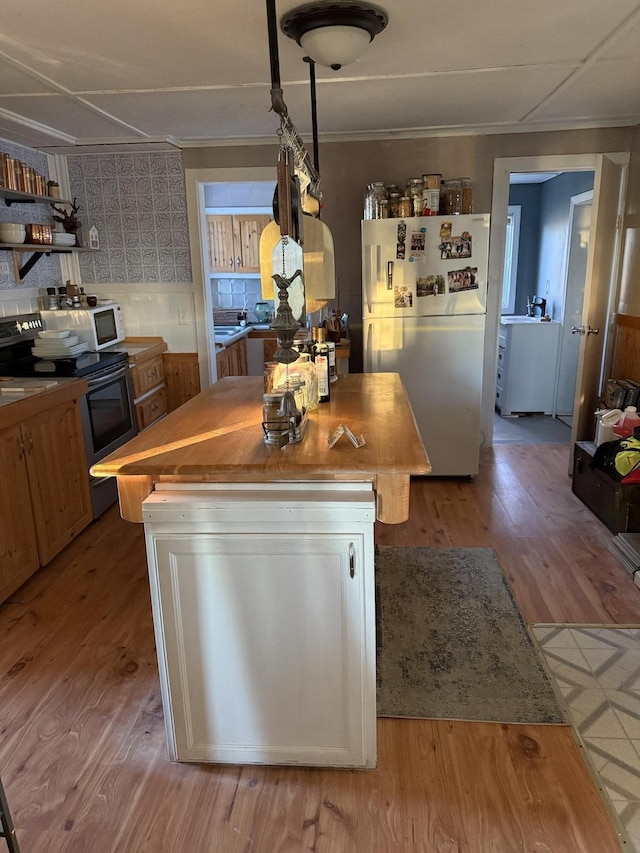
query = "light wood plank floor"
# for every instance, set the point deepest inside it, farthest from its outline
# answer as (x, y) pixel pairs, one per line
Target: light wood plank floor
(82, 749)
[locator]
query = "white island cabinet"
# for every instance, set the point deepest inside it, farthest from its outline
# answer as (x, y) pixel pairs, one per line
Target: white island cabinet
(261, 568)
(263, 603)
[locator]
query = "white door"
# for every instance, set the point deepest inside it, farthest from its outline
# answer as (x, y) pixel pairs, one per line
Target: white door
(576, 270)
(265, 646)
(601, 262)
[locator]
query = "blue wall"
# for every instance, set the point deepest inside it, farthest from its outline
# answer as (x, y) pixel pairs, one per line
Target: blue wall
(527, 196)
(544, 219)
(555, 203)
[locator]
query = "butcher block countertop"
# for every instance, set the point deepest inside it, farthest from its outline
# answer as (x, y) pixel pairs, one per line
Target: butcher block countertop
(35, 396)
(217, 437)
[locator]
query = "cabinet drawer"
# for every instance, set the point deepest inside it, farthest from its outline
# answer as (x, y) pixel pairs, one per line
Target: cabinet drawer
(151, 408)
(147, 375)
(270, 346)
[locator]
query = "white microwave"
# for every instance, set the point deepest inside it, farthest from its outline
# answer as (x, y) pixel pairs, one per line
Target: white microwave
(100, 327)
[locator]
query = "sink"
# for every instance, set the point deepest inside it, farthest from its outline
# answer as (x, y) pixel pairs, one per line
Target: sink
(228, 334)
(227, 330)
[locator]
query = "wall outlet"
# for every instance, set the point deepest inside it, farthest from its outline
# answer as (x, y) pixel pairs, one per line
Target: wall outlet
(182, 317)
(548, 286)
(4, 269)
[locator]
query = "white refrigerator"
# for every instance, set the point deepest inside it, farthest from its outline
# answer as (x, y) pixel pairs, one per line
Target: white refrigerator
(424, 296)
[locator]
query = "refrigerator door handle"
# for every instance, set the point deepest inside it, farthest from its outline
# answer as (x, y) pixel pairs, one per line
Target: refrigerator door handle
(368, 362)
(371, 273)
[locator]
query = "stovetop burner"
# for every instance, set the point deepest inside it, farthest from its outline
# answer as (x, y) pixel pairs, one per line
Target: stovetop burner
(80, 365)
(16, 339)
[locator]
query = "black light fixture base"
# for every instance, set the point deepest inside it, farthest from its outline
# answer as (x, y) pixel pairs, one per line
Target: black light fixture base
(312, 16)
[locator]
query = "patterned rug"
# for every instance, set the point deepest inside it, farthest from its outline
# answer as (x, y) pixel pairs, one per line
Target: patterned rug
(451, 641)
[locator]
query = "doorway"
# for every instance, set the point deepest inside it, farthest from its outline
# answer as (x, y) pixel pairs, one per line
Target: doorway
(600, 282)
(540, 253)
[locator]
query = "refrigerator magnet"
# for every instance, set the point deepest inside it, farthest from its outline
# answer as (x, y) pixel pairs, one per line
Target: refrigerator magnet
(418, 242)
(465, 279)
(403, 297)
(461, 246)
(429, 285)
(400, 241)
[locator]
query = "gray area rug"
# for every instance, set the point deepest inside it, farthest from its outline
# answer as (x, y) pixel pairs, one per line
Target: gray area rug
(451, 641)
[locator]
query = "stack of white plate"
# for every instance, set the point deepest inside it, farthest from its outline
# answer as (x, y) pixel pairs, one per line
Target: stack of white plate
(58, 343)
(62, 239)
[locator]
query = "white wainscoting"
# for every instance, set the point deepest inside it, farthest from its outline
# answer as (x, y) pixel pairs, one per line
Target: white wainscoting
(156, 309)
(23, 300)
(164, 310)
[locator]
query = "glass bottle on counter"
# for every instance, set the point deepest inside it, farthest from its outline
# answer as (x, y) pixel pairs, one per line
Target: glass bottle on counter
(321, 361)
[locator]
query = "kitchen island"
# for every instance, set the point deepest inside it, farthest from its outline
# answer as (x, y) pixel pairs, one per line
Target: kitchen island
(261, 568)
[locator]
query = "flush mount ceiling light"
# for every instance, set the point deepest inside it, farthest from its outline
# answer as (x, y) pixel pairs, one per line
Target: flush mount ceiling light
(333, 33)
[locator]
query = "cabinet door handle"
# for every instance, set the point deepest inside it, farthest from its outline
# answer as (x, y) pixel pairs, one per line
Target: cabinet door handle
(20, 444)
(29, 442)
(352, 560)
(231, 262)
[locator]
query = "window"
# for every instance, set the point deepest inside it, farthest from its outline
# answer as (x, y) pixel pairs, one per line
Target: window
(510, 271)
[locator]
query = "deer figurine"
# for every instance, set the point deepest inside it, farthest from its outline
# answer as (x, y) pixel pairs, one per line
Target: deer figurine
(70, 221)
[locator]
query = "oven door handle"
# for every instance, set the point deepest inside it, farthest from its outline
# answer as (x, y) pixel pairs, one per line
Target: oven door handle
(108, 377)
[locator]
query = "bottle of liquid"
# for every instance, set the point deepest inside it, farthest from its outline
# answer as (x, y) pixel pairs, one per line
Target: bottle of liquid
(625, 425)
(321, 359)
(333, 374)
(308, 370)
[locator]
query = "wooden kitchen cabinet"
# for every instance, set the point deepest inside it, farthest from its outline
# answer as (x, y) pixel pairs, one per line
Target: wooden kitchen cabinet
(45, 497)
(232, 360)
(147, 375)
(18, 550)
(234, 242)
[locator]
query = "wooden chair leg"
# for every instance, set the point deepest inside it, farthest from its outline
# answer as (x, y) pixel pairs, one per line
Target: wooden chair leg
(7, 831)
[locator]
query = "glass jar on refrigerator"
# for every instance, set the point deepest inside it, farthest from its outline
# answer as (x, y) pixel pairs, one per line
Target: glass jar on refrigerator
(375, 193)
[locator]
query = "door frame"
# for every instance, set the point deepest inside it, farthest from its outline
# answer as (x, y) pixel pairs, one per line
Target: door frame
(502, 169)
(195, 180)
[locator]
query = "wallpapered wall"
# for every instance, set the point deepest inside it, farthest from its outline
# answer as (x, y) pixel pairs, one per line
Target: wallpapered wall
(46, 272)
(138, 204)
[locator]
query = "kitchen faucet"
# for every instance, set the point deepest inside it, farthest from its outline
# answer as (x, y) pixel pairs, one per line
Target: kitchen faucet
(535, 302)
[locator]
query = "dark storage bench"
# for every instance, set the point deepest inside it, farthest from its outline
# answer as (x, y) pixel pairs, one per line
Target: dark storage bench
(615, 504)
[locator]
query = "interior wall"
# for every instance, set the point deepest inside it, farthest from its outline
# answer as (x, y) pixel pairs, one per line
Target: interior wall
(527, 196)
(348, 167)
(555, 204)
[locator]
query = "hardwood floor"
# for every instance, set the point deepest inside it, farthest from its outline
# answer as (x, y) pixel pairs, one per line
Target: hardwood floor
(82, 747)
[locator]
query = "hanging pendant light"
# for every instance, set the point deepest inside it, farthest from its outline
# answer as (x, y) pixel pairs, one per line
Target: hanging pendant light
(334, 34)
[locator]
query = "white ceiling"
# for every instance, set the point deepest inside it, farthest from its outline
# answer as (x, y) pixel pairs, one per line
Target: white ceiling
(198, 72)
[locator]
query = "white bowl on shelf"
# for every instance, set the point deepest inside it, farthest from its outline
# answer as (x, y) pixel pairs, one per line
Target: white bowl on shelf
(12, 232)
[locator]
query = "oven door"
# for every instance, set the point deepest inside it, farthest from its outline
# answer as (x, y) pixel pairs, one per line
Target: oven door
(109, 421)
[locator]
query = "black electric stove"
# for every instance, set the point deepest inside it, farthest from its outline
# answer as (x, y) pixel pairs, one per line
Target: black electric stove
(17, 335)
